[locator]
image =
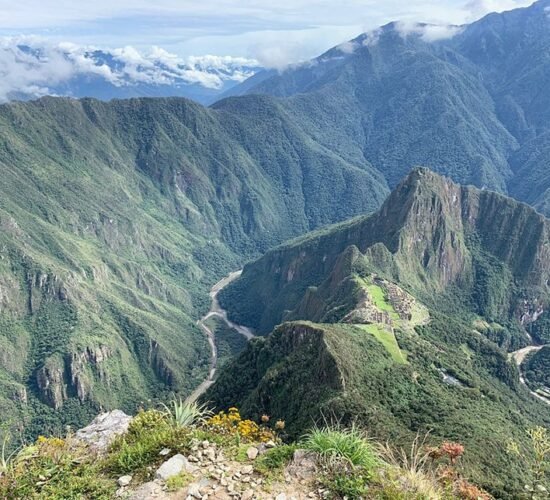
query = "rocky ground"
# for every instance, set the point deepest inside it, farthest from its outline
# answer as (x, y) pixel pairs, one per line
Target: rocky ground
(207, 472)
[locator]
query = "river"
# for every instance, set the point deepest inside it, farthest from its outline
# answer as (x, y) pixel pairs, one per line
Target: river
(217, 310)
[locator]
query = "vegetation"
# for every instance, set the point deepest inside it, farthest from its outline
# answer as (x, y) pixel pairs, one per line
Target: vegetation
(231, 424)
(116, 218)
(536, 459)
(184, 414)
(413, 372)
(350, 466)
(349, 446)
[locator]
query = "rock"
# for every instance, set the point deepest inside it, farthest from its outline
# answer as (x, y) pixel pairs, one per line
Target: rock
(124, 481)
(193, 490)
(252, 453)
(270, 444)
(103, 430)
(247, 495)
(164, 452)
(247, 469)
(210, 454)
(280, 496)
(303, 466)
(172, 467)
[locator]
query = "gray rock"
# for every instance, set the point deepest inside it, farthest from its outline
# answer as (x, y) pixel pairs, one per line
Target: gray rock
(248, 495)
(280, 496)
(247, 469)
(193, 490)
(172, 467)
(252, 453)
(124, 481)
(303, 466)
(103, 430)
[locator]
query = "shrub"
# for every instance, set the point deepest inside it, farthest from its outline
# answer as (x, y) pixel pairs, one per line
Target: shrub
(275, 459)
(147, 435)
(536, 459)
(344, 485)
(53, 468)
(232, 424)
(342, 445)
(146, 420)
(185, 414)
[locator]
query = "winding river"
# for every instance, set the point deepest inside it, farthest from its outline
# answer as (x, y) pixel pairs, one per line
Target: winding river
(217, 310)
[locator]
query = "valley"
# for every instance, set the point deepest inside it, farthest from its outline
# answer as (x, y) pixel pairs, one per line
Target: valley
(217, 310)
(386, 206)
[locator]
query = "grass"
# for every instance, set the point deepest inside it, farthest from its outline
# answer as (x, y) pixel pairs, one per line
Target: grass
(387, 338)
(341, 445)
(175, 483)
(138, 449)
(378, 296)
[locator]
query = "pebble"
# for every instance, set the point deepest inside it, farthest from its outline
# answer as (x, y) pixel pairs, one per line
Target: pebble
(124, 481)
(252, 453)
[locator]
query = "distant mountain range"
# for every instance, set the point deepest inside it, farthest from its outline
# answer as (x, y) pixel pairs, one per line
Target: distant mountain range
(471, 102)
(117, 217)
(31, 69)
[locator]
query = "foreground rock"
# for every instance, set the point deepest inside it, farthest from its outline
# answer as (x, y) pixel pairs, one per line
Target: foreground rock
(104, 429)
(174, 466)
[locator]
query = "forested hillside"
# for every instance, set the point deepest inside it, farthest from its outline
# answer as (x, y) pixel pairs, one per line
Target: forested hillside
(469, 102)
(402, 322)
(117, 218)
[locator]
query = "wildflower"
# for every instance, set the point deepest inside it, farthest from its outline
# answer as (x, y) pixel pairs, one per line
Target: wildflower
(280, 425)
(453, 450)
(265, 419)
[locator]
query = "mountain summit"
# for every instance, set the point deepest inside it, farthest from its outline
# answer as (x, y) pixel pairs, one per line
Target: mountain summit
(431, 235)
(400, 322)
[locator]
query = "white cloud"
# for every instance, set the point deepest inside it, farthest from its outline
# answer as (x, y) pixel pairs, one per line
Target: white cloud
(479, 8)
(348, 47)
(277, 33)
(428, 32)
(33, 67)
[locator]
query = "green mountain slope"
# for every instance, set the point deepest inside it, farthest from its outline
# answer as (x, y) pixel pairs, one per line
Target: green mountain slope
(115, 220)
(414, 310)
(473, 106)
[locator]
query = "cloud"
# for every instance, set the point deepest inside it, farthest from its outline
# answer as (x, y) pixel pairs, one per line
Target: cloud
(277, 33)
(32, 67)
(348, 47)
(427, 32)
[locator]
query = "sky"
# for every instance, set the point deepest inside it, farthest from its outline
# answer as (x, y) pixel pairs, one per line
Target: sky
(273, 32)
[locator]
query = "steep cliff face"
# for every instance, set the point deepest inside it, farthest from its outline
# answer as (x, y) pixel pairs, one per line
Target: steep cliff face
(431, 235)
(417, 305)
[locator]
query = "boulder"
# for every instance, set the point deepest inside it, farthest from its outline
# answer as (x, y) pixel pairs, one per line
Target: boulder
(174, 466)
(103, 430)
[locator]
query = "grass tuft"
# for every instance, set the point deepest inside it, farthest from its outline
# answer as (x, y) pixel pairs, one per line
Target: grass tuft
(335, 444)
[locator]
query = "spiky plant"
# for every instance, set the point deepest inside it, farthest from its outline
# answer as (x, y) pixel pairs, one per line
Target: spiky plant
(185, 414)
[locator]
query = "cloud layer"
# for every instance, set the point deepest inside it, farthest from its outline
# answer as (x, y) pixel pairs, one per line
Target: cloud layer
(31, 67)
